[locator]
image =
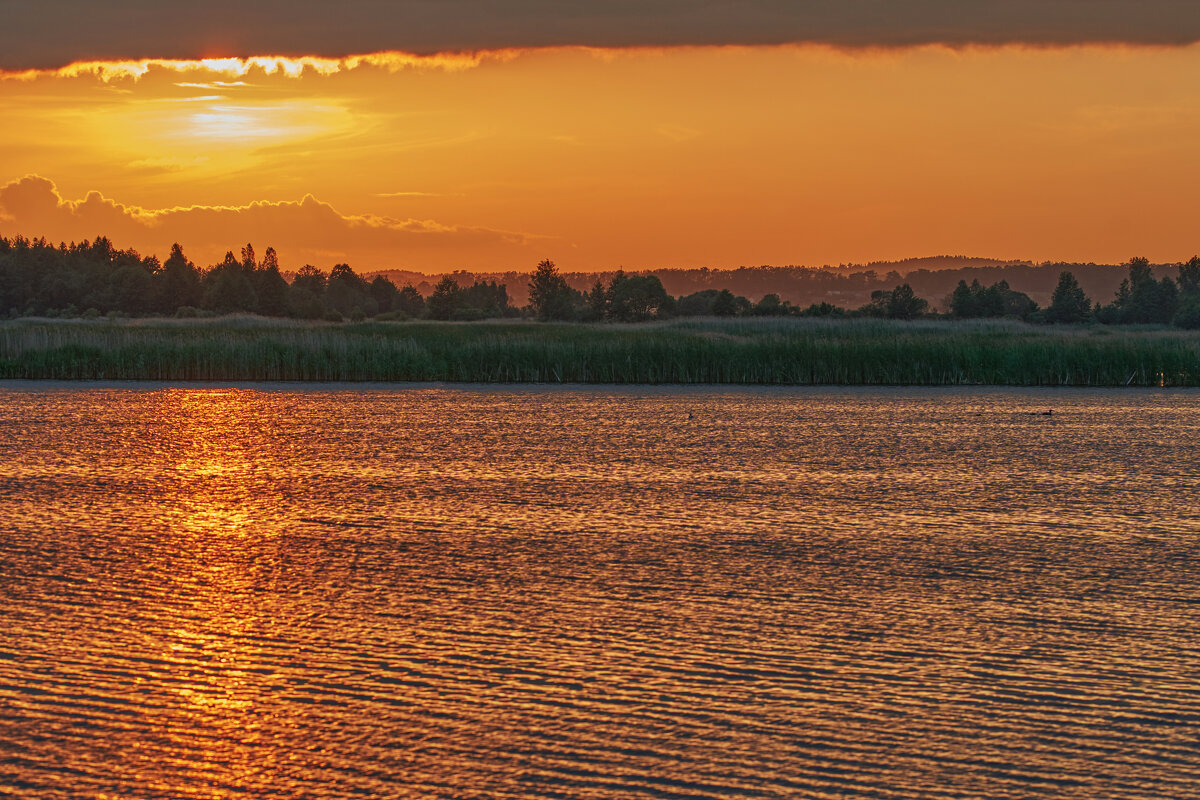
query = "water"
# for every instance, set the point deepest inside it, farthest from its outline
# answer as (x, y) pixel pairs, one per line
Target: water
(480, 592)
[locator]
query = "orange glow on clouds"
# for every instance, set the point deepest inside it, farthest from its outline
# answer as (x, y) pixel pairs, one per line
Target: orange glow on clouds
(694, 156)
(289, 66)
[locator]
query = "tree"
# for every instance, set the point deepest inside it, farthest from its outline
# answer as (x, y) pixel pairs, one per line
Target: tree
(770, 306)
(178, 282)
(991, 300)
(634, 298)
(1189, 277)
(724, 304)
(227, 288)
(310, 278)
(384, 293)
(305, 298)
(962, 301)
(410, 301)
(346, 292)
(900, 303)
(445, 299)
(997, 300)
(133, 289)
(270, 288)
(823, 310)
(697, 304)
(713, 302)
(1141, 299)
(597, 301)
(549, 295)
(1016, 304)
(482, 300)
(1188, 314)
(1068, 304)
(249, 262)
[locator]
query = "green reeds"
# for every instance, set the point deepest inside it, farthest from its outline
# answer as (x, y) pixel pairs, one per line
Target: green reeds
(744, 351)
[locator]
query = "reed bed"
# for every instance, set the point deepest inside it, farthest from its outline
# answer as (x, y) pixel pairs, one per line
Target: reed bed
(742, 351)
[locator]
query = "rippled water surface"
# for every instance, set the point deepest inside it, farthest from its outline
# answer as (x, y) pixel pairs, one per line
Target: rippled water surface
(278, 591)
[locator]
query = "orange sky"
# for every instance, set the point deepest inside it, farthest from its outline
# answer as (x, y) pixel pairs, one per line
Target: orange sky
(690, 156)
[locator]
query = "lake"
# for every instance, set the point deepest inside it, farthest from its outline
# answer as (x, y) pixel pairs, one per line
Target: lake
(283, 591)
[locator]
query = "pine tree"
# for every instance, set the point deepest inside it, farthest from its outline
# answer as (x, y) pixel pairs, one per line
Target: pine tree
(1068, 303)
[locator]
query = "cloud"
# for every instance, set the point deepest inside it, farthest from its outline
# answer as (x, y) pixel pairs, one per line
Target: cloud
(54, 33)
(406, 194)
(291, 66)
(311, 229)
(162, 165)
(212, 85)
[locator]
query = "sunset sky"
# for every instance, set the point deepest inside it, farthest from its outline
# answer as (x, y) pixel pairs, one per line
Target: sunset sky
(482, 135)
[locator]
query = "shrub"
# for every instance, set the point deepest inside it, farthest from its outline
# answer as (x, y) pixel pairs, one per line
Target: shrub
(1188, 315)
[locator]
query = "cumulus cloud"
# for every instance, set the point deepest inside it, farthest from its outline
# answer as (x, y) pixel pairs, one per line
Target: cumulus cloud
(312, 230)
(52, 33)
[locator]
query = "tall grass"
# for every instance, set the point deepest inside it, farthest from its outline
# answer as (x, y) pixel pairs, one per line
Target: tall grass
(746, 351)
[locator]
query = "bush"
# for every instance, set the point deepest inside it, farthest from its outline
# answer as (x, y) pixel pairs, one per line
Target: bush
(1108, 315)
(391, 316)
(1188, 315)
(823, 310)
(332, 316)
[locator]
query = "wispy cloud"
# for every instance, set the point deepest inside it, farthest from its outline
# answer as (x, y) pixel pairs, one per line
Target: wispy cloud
(406, 194)
(213, 85)
(166, 164)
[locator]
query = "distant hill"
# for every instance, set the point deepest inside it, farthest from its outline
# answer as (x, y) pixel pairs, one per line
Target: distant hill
(906, 265)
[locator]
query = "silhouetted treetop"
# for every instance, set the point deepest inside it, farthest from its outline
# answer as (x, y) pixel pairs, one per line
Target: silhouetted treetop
(1069, 303)
(549, 295)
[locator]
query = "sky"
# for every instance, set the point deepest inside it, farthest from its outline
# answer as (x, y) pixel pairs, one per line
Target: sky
(466, 134)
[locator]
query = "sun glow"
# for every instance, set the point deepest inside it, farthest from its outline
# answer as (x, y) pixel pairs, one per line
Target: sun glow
(250, 124)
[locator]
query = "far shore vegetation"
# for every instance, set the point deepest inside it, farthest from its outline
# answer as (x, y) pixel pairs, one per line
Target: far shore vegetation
(94, 279)
(91, 311)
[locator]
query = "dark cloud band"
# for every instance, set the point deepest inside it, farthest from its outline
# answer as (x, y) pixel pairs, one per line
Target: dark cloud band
(52, 33)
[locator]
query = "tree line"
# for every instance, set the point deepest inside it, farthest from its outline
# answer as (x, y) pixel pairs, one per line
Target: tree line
(848, 286)
(95, 278)
(1141, 299)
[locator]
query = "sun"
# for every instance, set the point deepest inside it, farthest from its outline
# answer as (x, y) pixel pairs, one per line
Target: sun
(253, 124)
